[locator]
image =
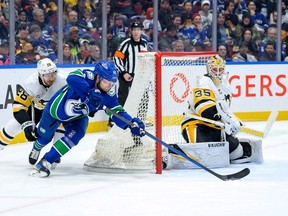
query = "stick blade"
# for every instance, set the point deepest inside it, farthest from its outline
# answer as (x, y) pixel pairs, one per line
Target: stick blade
(236, 176)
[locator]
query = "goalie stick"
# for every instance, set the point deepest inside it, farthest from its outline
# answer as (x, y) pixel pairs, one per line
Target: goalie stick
(235, 176)
(262, 134)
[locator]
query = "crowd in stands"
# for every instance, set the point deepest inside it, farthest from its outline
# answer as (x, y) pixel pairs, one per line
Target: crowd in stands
(246, 29)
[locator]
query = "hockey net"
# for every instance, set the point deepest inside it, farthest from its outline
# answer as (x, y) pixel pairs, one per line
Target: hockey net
(160, 88)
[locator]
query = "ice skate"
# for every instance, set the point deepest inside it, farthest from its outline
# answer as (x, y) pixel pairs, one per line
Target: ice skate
(53, 165)
(33, 156)
(41, 169)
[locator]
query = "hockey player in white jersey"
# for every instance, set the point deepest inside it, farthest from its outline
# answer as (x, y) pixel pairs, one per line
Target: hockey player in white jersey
(211, 99)
(29, 103)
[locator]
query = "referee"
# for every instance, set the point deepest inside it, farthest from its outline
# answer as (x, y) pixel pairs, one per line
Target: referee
(125, 59)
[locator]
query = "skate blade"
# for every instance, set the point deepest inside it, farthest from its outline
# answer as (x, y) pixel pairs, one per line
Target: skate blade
(39, 174)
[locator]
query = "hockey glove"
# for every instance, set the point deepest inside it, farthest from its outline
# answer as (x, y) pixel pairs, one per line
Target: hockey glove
(95, 100)
(138, 128)
(30, 131)
(232, 124)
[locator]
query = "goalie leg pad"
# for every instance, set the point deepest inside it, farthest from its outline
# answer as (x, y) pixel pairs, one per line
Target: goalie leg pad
(210, 154)
(256, 155)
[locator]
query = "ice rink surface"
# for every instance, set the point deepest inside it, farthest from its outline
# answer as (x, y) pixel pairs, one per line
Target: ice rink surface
(73, 191)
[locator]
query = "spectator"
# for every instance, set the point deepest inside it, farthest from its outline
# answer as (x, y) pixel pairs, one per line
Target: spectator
(258, 18)
(166, 42)
(271, 36)
(269, 54)
(186, 15)
(88, 23)
(80, 8)
(39, 19)
(231, 19)
(222, 52)
(73, 41)
(265, 7)
(224, 34)
(243, 55)
(119, 31)
(149, 19)
(95, 56)
(30, 7)
(68, 58)
(21, 18)
(4, 26)
(85, 50)
(206, 16)
(67, 8)
(246, 23)
(112, 45)
(198, 36)
(148, 34)
(176, 20)
(247, 36)
(178, 46)
(4, 52)
(25, 53)
(41, 44)
(164, 14)
(124, 7)
(73, 21)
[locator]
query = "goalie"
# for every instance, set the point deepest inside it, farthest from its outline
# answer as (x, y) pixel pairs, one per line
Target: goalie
(211, 99)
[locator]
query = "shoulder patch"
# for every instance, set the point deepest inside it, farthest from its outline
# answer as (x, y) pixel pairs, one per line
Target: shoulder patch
(111, 92)
(90, 75)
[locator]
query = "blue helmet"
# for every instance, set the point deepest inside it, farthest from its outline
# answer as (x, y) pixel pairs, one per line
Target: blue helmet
(106, 70)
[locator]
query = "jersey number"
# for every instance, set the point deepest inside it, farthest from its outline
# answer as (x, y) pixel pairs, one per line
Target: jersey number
(202, 92)
(21, 93)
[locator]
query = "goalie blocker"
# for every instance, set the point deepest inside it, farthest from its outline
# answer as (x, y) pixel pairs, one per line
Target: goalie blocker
(211, 154)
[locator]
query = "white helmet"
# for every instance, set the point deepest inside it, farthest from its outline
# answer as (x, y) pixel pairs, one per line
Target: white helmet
(46, 66)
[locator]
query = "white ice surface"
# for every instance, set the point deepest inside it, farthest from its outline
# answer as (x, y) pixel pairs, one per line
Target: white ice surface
(72, 191)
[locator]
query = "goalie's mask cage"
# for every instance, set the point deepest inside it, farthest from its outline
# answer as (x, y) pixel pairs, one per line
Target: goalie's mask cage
(158, 96)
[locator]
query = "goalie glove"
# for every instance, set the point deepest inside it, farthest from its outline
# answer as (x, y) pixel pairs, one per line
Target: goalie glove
(29, 131)
(138, 128)
(232, 124)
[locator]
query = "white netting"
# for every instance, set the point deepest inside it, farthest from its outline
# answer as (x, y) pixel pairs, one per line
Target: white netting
(118, 150)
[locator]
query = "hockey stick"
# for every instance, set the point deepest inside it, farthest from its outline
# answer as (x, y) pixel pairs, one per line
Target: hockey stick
(234, 176)
(270, 122)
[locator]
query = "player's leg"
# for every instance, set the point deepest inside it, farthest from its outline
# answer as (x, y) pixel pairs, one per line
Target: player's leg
(74, 132)
(46, 130)
(8, 132)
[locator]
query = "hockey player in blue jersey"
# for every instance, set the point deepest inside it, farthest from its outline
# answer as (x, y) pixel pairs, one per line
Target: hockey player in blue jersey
(86, 92)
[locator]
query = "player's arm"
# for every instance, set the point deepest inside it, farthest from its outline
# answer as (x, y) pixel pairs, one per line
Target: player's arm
(21, 105)
(77, 81)
(112, 103)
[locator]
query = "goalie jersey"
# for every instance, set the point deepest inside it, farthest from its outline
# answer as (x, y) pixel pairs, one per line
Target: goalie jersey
(203, 99)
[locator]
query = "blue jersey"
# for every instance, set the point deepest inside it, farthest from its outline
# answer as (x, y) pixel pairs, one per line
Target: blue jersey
(75, 94)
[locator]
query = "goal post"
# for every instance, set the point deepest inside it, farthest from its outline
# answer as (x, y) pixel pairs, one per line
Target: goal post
(158, 97)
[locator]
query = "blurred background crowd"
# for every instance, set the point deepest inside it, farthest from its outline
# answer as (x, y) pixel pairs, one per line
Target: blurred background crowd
(246, 29)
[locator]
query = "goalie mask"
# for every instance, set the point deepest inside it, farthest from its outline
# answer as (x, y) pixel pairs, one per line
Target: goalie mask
(47, 71)
(216, 68)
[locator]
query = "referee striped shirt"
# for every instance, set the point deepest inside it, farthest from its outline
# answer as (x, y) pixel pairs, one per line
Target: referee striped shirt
(126, 55)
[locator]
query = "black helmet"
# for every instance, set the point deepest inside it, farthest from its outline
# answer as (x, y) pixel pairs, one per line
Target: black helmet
(136, 24)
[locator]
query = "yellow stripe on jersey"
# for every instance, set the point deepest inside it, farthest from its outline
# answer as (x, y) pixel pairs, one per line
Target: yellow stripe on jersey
(4, 139)
(203, 99)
